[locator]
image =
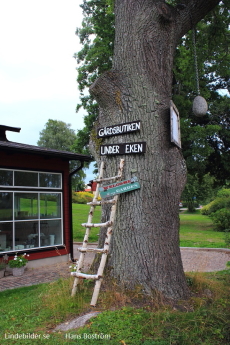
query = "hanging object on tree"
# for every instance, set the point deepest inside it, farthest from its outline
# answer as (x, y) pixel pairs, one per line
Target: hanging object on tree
(200, 106)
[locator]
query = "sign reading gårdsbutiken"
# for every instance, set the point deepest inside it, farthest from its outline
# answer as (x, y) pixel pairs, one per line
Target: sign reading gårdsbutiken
(122, 128)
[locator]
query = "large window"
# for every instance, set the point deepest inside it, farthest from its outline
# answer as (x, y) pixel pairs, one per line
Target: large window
(30, 217)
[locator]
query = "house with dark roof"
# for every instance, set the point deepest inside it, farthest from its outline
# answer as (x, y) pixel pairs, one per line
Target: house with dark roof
(35, 201)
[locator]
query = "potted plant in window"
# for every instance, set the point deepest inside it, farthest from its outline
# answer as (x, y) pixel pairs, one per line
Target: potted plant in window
(18, 264)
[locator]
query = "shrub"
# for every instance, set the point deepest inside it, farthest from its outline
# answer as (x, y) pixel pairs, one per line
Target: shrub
(213, 206)
(82, 197)
(223, 193)
(221, 219)
(219, 210)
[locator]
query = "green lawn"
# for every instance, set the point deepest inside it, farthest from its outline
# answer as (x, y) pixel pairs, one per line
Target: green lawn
(35, 311)
(80, 215)
(196, 230)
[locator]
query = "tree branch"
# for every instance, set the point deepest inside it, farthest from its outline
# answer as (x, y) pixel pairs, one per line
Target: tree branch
(190, 12)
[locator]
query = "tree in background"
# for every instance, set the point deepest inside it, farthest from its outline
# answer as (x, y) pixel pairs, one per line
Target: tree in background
(94, 59)
(198, 191)
(59, 135)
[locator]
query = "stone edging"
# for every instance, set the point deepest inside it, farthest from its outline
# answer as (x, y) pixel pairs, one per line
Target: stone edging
(219, 250)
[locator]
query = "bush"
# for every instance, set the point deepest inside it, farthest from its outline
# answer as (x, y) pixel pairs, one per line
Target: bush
(223, 193)
(82, 197)
(219, 210)
(213, 206)
(221, 219)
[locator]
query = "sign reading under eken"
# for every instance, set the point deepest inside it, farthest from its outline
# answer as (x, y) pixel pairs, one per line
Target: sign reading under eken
(122, 128)
(123, 149)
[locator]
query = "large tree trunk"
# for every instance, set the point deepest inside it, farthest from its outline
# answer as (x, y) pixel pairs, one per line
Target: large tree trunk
(145, 245)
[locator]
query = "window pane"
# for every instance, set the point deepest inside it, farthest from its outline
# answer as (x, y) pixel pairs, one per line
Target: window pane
(6, 236)
(50, 205)
(6, 178)
(50, 180)
(6, 206)
(51, 233)
(24, 178)
(26, 235)
(26, 205)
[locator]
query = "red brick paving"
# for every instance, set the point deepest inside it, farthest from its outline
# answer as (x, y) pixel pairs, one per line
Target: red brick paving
(40, 275)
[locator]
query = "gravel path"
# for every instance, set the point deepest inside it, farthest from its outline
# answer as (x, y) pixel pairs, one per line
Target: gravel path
(204, 259)
(194, 259)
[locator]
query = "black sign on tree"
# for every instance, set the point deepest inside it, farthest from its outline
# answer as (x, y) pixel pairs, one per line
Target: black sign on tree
(123, 149)
(122, 128)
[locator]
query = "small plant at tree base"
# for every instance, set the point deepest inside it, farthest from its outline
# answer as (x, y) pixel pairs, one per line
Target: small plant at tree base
(18, 261)
(73, 267)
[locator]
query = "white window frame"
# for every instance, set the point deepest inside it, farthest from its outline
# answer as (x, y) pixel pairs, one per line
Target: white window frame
(38, 190)
(32, 171)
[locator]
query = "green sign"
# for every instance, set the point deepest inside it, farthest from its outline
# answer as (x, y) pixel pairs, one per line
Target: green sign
(123, 188)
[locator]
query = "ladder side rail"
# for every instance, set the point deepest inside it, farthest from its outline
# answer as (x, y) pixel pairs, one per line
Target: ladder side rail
(106, 244)
(92, 209)
(98, 276)
(104, 255)
(87, 232)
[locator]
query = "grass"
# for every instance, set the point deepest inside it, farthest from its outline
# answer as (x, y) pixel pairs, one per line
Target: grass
(36, 310)
(196, 230)
(203, 319)
(80, 215)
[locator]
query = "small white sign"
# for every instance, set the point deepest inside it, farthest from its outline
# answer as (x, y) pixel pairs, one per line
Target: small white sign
(175, 125)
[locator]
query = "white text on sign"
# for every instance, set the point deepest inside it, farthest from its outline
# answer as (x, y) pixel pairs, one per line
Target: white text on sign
(123, 149)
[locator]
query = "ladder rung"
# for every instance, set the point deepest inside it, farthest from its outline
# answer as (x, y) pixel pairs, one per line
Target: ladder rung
(107, 179)
(98, 225)
(97, 250)
(102, 202)
(84, 275)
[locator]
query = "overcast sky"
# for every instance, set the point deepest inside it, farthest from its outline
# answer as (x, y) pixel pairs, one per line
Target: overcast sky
(37, 69)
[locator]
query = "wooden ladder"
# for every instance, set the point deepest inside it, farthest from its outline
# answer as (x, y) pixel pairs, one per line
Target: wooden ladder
(84, 249)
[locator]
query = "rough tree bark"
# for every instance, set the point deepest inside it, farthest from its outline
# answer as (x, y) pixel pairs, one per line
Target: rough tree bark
(145, 245)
